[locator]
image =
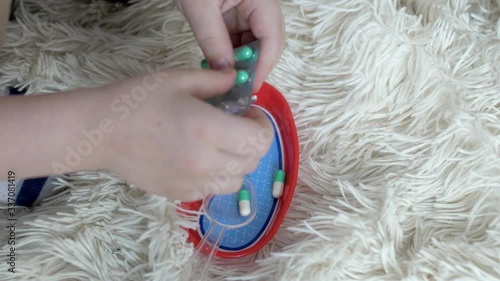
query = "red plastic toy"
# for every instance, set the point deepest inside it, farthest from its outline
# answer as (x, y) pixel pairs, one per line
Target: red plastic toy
(271, 100)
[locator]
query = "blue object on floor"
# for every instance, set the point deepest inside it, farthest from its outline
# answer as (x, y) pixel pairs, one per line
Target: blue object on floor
(30, 190)
(15, 91)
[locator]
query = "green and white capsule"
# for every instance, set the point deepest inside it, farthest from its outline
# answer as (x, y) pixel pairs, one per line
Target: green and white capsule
(242, 77)
(243, 53)
(279, 182)
(244, 202)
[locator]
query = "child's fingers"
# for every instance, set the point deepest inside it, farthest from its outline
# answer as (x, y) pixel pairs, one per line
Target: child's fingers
(202, 84)
(267, 24)
(208, 161)
(247, 37)
(213, 186)
(248, 137)
(208, 26)
(260, 117)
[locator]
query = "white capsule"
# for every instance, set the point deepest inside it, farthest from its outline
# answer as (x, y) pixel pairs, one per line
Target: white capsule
(244, 208)
(279, 182)
(277, 189)
(244, 202)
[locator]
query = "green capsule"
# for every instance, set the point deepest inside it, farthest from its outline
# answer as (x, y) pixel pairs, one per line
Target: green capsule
(243, 194)
(242, 77)
(254, 57)
(279, 176)
(204, 64)
(279, 183)
(243, 53)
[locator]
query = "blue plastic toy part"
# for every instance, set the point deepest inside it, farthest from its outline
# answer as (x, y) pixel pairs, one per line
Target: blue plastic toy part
(225, 207)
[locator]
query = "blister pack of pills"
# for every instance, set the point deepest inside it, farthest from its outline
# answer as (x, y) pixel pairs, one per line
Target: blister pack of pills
(239, 98)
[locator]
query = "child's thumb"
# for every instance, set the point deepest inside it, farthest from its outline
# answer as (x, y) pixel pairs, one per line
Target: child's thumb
(208, 26)
(204, 84)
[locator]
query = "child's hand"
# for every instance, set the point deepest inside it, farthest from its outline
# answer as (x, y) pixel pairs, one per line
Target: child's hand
(218, 23)
(154, 130)
(174, 144)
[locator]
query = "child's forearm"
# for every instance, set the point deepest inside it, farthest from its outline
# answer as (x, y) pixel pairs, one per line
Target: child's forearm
(45, 134)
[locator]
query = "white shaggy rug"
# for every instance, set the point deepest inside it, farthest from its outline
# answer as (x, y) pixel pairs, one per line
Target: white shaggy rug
(397, 104)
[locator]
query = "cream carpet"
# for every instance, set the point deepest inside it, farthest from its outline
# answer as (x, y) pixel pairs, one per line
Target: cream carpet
(397, 104)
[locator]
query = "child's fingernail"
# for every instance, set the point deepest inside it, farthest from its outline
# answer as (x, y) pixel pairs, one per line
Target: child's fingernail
(221, 64)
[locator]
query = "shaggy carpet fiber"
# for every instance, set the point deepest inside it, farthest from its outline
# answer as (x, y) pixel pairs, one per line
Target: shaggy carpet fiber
(397, 105)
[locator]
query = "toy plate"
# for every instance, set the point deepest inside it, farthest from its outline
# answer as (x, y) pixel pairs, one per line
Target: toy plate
(284, 155)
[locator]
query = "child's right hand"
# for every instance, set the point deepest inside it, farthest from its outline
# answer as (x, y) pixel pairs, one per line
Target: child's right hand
(171, 143)
(155, 131)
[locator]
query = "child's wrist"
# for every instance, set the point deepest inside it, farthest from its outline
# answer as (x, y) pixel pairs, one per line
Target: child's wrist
(98, 130)
(85, 134)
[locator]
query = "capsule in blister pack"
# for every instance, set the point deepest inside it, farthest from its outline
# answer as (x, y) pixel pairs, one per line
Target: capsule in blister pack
(239, 98)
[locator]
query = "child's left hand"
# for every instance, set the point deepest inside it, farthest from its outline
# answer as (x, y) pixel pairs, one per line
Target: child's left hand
(221, 25)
